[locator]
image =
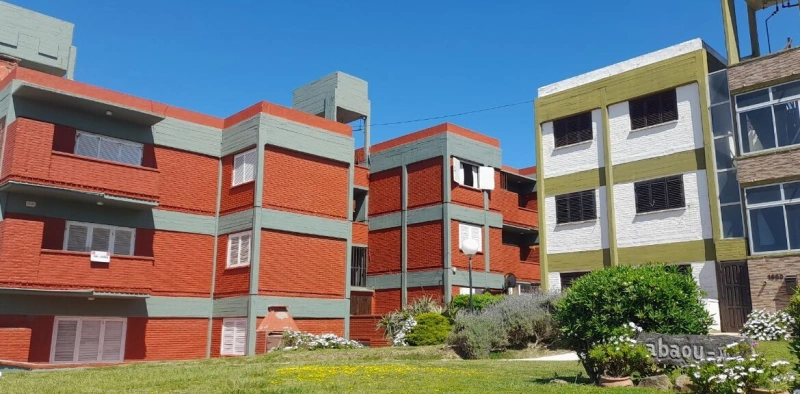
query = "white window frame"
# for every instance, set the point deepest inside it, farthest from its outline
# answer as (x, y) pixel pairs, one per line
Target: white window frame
(470, 228)
(80, 321)
(233, 321)
(769, 103)
(482, 176)
(252, 153)
(111, 139)
(90, 228)
(782, 203)
(239, 264)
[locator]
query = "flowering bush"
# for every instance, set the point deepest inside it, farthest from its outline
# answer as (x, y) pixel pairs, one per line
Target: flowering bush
(397, 325)
(740, 372)
(620, 355)
(299, 340)
(766, 326)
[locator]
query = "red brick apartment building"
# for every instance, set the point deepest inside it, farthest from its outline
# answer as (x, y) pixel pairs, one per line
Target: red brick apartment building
(132, 230)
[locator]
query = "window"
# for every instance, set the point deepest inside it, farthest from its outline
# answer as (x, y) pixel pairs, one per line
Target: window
(358, 266)
(568, 277)
(87, 237)
(659, 194)
(88, 340)
(576, 207)
(239, 249)
(774, 213)
(473, 175)
(528, 288)
(573, 130)
(466, 231)
(244, 167)
(654, 109)
(769, 118)
(107, 148)
(234, 337)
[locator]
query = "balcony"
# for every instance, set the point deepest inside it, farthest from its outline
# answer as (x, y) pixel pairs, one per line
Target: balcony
(361, 177)
(516, 201)
(106, 176)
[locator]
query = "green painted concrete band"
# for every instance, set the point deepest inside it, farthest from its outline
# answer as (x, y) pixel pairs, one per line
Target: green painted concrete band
(487, 250)
(409, 153)
(351, 175)
(474, 151)
(480, 280)
(610, 173)
(240, 136)
(299, 137)
(404, 236)
(578, 261)
(578, 181)
(478, 216)
(255, 247)
(414, 279)
(386, 221)
(152, 219)
(305, 224)
(730, 249)
(446, 219)
(318, 308)
(677, 252)
(544, 265)
(154, 307)
(436, 213)
(656, 167)
(235, 222)
(424, 215)
(708, 145)
(214, 260)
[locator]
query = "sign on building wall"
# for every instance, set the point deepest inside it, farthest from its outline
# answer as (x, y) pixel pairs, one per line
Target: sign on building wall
(680, 350)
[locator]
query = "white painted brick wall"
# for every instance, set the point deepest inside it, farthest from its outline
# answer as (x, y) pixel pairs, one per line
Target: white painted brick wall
(577, 237)
(573, 158)
(660, 140)
(554, 280)
(687, 224)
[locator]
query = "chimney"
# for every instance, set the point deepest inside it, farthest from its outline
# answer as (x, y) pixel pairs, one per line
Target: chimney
(277, 321)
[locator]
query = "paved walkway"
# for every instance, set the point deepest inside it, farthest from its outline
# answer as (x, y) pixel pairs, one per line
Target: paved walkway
(571, 356)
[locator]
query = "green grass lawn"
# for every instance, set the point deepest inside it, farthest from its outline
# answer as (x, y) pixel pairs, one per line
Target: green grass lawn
(387, 370)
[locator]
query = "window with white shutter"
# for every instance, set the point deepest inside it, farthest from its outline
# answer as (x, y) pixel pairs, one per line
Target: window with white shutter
(239, 246)
(467, 231)
(88, 339)
(244, 167)
(108, 148)
(234, 337)
(87, 237)
(473, 175)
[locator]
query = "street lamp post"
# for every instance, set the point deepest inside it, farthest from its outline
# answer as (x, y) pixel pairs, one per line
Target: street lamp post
(470, 248)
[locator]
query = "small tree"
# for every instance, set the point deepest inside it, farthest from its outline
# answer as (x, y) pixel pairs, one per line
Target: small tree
(657, 298)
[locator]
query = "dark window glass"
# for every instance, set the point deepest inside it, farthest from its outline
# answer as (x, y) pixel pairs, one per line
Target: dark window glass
(793, 222)
(746, 100)
(787, 90)
(654, 109)
(576, 207)
(718, 87)
(721, 119)
(728, 187)
(573, 130)
(469, 174)
(787, 123)
(769, 229)
(659, 194)
(761, 194)
(732, 226)
(723, 151)
(791, 191)
(757, 130)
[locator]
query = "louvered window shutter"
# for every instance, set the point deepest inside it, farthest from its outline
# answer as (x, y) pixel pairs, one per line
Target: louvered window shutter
(87, 145)
(109, 150)
(240, 337)
(486, 178)
(130, 154)
(669, 106)
(77, 235)
(66, 332)
(637, 113)
(112, 340)
(244, 249)
(575, 207)
(228, 330)
(675, 194)
(89, 341)
(475, 234)
(588, 211)
(458, 172)
(101, 239)
(250, 166)
(642, 191)
(562, 209)
(233, 251)
(123, 242)
(463, 234)
(560, 133)
(238, 170)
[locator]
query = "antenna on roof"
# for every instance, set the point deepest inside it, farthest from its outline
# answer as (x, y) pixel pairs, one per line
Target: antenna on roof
(766, 23)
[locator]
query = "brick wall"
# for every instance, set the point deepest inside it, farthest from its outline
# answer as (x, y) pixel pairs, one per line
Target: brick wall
(766, 70)
(766, 293)
(435, 292)
(165, 339)
(302, 265)
(384, 251)
(425, 249)
(386, 301)
(385, 192)
(360, 233)
(361, 176)
(302, 183)
(424, 183)
(770, 167)
(188, 181)
(229, 281)
(504, 258)
(321, 326)
(182, 264)
(365, 330)
(41, 334)
(464, 195)
(458, 258)
(238, 198)
(15, 344)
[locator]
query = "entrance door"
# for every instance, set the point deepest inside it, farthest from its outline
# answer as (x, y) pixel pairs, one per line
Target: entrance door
(734, 295)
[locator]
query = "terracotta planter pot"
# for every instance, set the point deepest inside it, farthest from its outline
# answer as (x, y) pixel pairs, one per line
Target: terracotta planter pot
(767, 391)
(609, 381)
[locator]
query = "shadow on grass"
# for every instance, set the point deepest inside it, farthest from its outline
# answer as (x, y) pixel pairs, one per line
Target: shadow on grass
(579, 378)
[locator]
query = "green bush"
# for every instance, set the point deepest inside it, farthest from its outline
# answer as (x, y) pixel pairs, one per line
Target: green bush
(479, 301)
(431, 329)
(474, 336)
(526, 318)
(794, 327)
(655, 297)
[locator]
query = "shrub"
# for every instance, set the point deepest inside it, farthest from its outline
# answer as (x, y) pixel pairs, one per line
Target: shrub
(475, 335)
(794, 328)
(424, 304)
(655, 297)
(767, 326)
(527, 318)
(396, 326)
(431, 329)
(479, 301)
(740, 374)
(299, 340)
(621, 355)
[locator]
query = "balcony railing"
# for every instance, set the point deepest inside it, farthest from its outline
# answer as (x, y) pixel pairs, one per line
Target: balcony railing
(108, 176)
(124, 274)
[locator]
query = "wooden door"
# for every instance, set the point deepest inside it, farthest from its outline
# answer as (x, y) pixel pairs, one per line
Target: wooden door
(734, 294)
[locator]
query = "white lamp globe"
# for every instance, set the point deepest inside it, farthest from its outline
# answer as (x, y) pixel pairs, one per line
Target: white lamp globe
(469, 247)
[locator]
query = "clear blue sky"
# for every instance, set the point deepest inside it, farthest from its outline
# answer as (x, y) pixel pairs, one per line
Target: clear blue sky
(421, 58)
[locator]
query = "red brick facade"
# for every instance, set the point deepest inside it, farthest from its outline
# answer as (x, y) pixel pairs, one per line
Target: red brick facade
(425, 250)
(15, 344)
(234, 198)
(425, 183)
(385, 192)
(165, 339)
